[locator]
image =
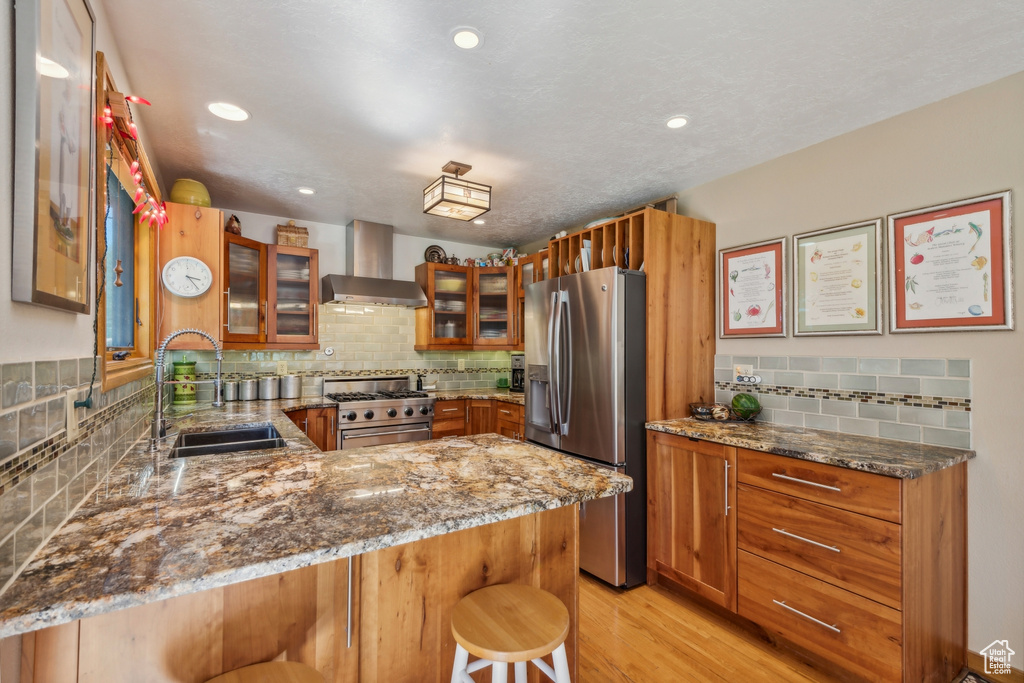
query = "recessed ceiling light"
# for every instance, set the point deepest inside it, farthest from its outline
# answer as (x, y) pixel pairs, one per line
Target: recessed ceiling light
(50, 68)
(676, 122)
(228, 111)
(466, 38)
(307, 190)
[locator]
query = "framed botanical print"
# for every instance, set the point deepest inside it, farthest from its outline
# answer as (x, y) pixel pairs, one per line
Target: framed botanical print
(53, 153)
(838, 273)
(752, 290)
(951, 266)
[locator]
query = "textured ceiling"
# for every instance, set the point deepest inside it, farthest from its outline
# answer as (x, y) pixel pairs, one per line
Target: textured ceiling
(562, 109)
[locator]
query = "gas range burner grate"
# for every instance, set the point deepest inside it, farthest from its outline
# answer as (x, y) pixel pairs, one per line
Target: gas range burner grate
(403, 394)
(352, 397)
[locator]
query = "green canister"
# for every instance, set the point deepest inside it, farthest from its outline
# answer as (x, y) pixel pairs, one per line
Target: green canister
(184, 371)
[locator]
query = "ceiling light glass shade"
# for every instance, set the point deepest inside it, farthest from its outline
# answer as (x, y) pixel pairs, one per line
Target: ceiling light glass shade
(454, 197)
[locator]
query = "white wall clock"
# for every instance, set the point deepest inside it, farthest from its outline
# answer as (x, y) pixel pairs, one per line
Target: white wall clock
(187, 276)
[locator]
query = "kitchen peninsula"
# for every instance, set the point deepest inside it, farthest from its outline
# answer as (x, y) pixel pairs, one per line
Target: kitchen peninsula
(180, 569)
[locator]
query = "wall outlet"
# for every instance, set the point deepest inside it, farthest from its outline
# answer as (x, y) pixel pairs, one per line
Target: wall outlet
(462, 364)
(71, 415)
(739, 370)
(282, 367)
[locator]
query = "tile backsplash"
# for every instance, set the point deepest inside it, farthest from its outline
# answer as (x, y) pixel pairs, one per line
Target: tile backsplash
(924, 400)
(366, 340)
(44, 474)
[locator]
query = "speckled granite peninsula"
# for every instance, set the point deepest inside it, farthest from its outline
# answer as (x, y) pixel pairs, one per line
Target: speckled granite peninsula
(888, 457)
(161, 527)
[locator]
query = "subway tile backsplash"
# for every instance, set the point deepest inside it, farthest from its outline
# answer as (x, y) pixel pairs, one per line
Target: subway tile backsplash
(44, 476)
(924, 400)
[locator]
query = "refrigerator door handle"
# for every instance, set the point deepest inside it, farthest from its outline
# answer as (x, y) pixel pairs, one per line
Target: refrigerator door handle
(566, 410)
(552, 389)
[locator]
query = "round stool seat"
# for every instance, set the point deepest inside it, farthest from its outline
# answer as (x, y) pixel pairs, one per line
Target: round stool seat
(271, 672)
(510, 623)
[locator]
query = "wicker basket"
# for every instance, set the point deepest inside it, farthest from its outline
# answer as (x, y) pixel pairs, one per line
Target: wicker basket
(292, 235)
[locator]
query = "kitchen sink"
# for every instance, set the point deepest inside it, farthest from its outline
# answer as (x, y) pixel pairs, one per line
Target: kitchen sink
(252, 438)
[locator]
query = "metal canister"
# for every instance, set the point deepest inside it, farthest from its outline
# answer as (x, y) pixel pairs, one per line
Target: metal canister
(269, 387)
(291, 386)
(248, 390)
(230, 391)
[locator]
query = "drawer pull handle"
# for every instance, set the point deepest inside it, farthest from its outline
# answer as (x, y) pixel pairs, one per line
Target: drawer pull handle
(805, 481)
(831, 627)
(507, 412)
(448, 410)
(806, 540)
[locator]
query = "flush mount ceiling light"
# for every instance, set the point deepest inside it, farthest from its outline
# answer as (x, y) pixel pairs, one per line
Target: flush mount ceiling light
(466, 38)
(228, 111)
(677, 122)
(452, 197)
(307, 190)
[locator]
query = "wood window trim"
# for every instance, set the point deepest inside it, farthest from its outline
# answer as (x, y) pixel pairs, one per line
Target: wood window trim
(117, 373)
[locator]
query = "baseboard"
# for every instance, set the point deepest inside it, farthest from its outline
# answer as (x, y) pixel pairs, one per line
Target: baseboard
(976, 663)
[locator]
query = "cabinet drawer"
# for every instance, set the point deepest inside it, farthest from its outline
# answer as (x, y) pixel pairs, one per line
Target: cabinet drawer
(443, 428)
(449, 410)
(855, 552)
(868, 494)
(510, 412)
(857, 634)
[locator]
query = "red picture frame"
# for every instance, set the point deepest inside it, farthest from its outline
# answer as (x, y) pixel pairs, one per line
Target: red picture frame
(752, 290)
(948, 267)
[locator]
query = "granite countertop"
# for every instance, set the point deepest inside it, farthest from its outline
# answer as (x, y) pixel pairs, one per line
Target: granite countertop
(900, 459)
(480, 394)
(161, 527)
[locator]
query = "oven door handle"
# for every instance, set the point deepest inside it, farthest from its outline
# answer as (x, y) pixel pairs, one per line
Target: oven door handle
(366, 435)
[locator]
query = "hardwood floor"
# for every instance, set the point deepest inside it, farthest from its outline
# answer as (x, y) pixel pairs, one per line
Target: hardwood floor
(650, 634)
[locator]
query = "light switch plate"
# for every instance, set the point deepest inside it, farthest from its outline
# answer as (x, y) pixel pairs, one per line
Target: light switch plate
(71, 415)
(462, 364)
(282, 367)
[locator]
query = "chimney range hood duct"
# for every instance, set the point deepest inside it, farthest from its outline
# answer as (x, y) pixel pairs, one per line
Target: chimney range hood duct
(369, 261)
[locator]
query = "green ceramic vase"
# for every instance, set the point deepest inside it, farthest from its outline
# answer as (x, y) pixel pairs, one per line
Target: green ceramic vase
(184, 371)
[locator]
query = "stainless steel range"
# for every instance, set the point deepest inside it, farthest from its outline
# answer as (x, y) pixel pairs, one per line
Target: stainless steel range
(380, 410)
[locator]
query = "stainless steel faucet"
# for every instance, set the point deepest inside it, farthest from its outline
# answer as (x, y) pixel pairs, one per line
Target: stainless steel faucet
(159, 429)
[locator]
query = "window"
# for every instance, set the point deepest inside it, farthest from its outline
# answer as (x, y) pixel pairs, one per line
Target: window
(125, 248)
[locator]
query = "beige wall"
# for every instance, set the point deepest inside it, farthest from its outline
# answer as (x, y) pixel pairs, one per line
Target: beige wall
(967, 145)
(32, 332)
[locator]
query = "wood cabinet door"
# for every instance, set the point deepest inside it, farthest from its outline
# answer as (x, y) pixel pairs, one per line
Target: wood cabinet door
(494, 306)
(292, 293)
(691, 493)
(299, 417)
(192, 231)
(448, 318)
(244, 312)
(506, 428)
(323, 428)
(479, 416)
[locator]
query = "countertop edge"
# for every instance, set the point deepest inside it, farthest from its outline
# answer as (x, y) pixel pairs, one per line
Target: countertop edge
(698, 429)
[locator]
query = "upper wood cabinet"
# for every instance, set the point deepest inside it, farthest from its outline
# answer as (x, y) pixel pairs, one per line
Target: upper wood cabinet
(494, 307)
(447, 319)
(245, 291)
(270, 295)
(292, 295)
(530, 269)
(191, 231)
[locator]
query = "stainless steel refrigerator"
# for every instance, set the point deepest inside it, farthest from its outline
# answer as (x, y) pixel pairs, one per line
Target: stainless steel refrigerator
(586, 396)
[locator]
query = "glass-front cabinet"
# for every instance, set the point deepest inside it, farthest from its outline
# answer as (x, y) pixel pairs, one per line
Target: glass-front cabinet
(245, 290)
(447, 318)
(292, 277)
(494, 306)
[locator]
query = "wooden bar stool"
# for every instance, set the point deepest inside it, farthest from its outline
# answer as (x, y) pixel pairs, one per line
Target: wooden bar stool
(510, 623)
(271, 672)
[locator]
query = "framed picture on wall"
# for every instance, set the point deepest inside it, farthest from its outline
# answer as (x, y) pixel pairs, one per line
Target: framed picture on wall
(53, 153)
(752, 290)
(838, 273)
(950, 267)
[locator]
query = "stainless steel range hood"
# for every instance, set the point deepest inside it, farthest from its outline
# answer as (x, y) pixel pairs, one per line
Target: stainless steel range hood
(369, 261)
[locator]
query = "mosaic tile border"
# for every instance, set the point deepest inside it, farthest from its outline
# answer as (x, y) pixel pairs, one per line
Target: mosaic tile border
(22, 465)
(382, 372)
(872, 397)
